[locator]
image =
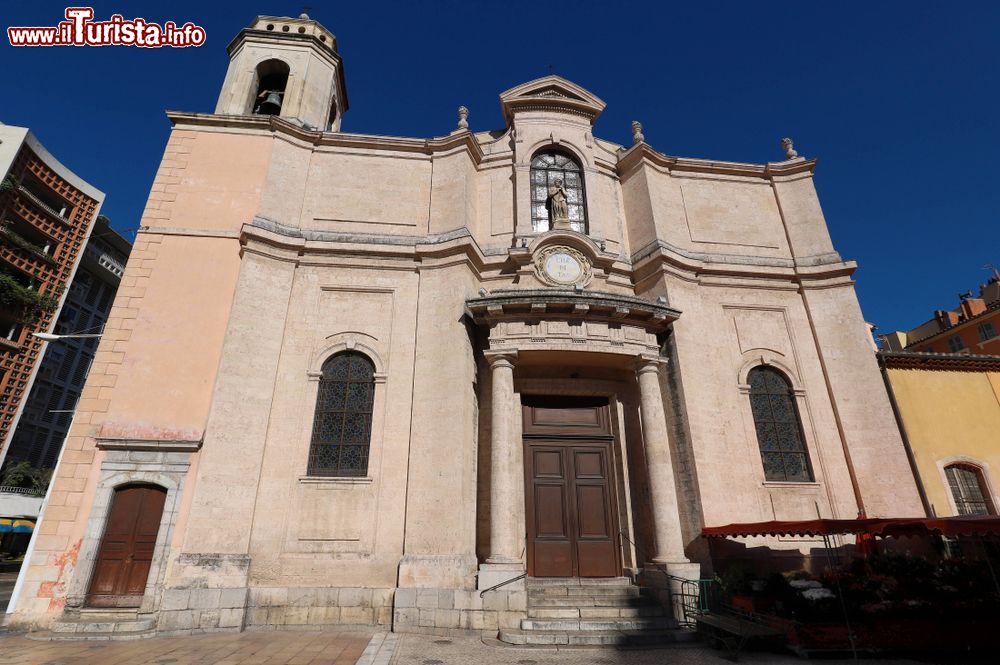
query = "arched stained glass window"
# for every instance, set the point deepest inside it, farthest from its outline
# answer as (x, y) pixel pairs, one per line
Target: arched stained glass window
(557, 198)
(779, 428)
(343, 422)
(968, 488)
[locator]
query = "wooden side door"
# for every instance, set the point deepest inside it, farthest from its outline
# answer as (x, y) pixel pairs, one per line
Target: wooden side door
(126, 551)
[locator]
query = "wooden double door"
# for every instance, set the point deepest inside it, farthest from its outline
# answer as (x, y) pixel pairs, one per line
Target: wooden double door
(126, 551)
(570, 505)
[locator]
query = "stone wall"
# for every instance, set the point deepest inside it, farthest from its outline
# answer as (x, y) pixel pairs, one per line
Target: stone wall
(434, 611)
(202, 610)
(448, 611)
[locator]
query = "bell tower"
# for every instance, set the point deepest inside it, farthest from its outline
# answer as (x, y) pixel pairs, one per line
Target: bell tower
(287, 67)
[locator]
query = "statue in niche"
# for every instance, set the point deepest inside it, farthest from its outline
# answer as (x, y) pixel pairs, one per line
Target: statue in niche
(558, 206)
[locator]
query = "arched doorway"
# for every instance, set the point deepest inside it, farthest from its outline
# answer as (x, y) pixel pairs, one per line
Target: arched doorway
(126, 550)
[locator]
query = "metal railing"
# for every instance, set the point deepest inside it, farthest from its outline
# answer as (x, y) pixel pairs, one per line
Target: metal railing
(42, 204)
(26, 491)
(504, 583)
(693, 596)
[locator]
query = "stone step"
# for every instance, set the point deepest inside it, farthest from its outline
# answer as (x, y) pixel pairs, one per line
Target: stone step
(592, 601)
(584, 592)
(538, 582)
(594, 612)
(53, 636)
(595, 638)
(591, 625)
(92, 624)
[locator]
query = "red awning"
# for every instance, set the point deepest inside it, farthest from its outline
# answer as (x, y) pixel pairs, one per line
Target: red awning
(946, 526)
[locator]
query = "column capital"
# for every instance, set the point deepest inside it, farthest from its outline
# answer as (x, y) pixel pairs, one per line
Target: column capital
(501, 357)
(648, 363)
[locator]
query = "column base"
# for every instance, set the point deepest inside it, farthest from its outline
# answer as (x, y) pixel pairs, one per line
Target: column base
(683, 569)
(672, 592)
(491, 574)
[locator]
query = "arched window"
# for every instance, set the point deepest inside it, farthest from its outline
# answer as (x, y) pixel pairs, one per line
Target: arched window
(343, 422)
(968, 488)
(779, 428)
(272, 79)
(557, 200)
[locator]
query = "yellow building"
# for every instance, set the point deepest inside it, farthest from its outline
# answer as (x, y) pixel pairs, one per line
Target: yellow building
(948, 408)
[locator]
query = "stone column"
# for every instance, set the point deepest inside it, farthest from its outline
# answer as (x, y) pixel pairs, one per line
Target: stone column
(506, 475)
(669, 553)
(659, 464)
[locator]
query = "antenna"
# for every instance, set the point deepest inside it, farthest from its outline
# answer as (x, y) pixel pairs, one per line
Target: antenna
(996, 273)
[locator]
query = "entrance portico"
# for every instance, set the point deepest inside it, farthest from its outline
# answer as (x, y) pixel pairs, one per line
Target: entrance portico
(597, 334)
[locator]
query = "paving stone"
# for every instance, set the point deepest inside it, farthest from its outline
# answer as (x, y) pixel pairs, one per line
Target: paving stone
(415, 649)
(229, 648)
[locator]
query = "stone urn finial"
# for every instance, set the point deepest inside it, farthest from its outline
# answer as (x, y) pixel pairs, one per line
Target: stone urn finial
(789, 147)
(637, 136)
(463, 117)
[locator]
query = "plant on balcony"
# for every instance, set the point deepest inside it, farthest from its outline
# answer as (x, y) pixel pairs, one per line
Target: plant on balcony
(22, 475)
(7, 184)
(26, 304)
(23, 243)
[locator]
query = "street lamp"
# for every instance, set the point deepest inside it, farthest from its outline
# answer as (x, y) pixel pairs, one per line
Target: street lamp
(49, 337)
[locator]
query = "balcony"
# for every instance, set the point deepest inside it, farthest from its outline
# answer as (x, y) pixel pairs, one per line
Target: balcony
(25, 240)
(45, 207)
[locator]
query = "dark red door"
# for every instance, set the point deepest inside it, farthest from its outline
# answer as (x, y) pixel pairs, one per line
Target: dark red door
(126, 550)
(571, 519)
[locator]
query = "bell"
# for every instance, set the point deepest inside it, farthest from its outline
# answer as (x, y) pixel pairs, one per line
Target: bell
(271, 105)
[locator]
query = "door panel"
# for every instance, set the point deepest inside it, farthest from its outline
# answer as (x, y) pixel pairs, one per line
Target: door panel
(126, 551)
(585, 417)
(589, 463)
(548, 463)
(591, 516)
(550, 512)
(571, 518)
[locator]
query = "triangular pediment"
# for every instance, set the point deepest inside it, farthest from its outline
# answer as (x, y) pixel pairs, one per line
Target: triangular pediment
(551, 93)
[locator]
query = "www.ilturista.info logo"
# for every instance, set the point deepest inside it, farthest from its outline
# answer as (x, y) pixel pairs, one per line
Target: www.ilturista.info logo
(79, 29)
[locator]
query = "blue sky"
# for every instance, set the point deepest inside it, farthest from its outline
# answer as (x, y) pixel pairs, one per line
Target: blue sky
(898, 101)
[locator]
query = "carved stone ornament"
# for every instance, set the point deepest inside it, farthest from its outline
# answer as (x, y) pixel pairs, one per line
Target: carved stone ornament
(789, 146)
(637, 135)
(563, 266)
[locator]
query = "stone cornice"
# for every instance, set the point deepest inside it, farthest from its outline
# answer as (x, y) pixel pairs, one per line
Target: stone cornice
(628, 160)
(151, 445)
(638, 154)
(813, 268)
(291, 243)
(570, 304)
(286, 241)
(278, 125)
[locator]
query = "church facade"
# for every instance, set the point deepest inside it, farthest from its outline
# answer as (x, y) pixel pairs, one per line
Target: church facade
(354, 379)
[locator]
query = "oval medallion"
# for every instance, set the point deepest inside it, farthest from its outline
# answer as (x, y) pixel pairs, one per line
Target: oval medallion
(563, 268)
